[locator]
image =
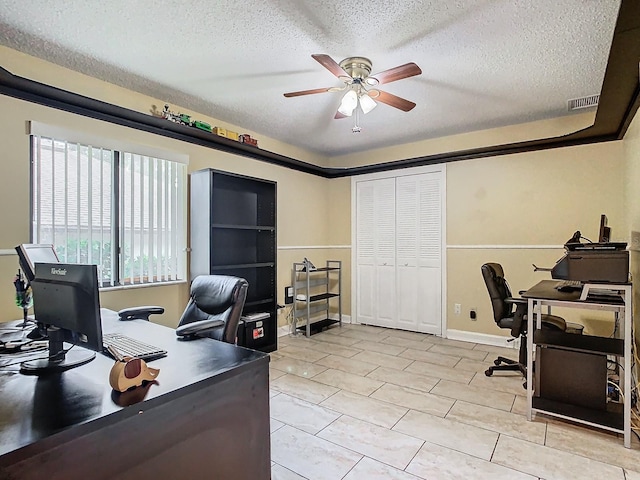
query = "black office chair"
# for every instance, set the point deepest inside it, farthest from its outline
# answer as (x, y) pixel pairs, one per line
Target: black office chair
(214, 309)
(511, 313)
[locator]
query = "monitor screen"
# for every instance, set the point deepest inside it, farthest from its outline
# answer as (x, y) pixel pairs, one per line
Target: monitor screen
(66, 300)
(32, 253)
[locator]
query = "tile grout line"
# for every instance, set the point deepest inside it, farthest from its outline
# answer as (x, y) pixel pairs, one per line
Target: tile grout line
(413, 458)
(352, 468)
(495, 445)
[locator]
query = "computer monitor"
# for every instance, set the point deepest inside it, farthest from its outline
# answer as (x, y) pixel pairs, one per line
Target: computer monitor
(66, 300)
(31, 253)
(604, 235)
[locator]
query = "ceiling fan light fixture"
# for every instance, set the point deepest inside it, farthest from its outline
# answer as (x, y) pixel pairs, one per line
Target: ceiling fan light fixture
(354, 73)
(349, 103)
(367, 103)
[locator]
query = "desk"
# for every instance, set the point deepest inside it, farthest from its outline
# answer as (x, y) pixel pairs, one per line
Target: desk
(207, 417)
(544, 294)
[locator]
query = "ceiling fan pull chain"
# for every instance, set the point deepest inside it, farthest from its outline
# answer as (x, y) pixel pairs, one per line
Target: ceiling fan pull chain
(356, 128)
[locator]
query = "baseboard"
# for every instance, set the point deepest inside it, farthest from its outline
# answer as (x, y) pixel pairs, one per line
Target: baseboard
(473, 337)
(483, 339)
(345, 318)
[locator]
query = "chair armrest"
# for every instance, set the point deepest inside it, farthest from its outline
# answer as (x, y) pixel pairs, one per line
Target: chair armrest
(516, 300)
(140, 313)
(195, 328)
(519, 325)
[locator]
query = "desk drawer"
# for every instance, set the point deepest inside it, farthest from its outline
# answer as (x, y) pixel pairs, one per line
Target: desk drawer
(582, 343)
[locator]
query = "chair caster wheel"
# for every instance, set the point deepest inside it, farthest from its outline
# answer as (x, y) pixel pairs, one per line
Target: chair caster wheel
(488, 373)
(496, 362)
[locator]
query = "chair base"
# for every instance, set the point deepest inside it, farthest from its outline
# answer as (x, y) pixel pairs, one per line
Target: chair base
(506, 364)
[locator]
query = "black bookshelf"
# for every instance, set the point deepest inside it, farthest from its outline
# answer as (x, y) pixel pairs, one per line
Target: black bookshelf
(233, 232)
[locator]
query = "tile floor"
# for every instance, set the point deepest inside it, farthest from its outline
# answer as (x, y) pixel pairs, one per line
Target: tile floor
(368, 403)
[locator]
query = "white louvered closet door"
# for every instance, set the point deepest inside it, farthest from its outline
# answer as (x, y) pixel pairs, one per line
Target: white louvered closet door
(419, 246)
(399, 252)
(375, 252)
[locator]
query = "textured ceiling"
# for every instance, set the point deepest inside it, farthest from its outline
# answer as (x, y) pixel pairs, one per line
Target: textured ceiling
(485, 63)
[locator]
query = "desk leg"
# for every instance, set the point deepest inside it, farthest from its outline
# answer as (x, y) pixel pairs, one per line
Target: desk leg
(530, 307)
(628, 319)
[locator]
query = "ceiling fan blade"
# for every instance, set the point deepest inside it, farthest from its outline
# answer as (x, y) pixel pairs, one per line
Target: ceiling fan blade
(339, 116)
(330, 64)
(393, 100)
(394, 74)
(307, 92)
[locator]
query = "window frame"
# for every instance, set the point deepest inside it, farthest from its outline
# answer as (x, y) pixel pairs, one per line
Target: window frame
(137, 153)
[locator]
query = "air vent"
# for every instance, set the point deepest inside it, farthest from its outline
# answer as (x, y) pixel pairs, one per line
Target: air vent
(583, 102)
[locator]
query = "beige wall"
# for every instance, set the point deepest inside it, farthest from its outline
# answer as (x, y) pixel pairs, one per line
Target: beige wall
(506, 209)
(632, 201)
(337, 199)
(499, 209)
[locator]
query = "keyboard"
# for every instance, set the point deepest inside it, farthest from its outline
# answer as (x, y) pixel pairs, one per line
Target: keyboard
(568, 285)
(130, 347)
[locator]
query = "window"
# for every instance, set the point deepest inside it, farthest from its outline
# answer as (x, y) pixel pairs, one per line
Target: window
(120, 210)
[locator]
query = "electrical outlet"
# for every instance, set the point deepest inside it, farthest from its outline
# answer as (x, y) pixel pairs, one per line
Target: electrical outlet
(457, 308)
(288, 295)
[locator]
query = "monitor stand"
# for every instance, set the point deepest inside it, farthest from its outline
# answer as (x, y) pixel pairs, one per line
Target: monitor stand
(38, 333)
(58, 359)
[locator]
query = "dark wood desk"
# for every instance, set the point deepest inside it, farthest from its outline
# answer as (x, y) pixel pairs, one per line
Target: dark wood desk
(206, 417)
(547, 289)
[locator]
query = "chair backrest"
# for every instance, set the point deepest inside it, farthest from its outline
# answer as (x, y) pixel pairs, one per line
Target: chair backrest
(217, 297)
(498, 290)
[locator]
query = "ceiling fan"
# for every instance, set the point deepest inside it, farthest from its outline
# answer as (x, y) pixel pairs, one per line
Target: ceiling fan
(355, 73)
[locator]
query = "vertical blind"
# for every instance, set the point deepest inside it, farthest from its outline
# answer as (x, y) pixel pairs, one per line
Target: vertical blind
(120, 210)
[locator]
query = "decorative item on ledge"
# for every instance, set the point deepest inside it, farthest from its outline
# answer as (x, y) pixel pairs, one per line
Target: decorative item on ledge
(246, 138)
(184, 119)
(222, 132)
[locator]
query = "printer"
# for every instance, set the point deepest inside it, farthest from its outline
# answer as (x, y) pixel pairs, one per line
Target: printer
(593, 262)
